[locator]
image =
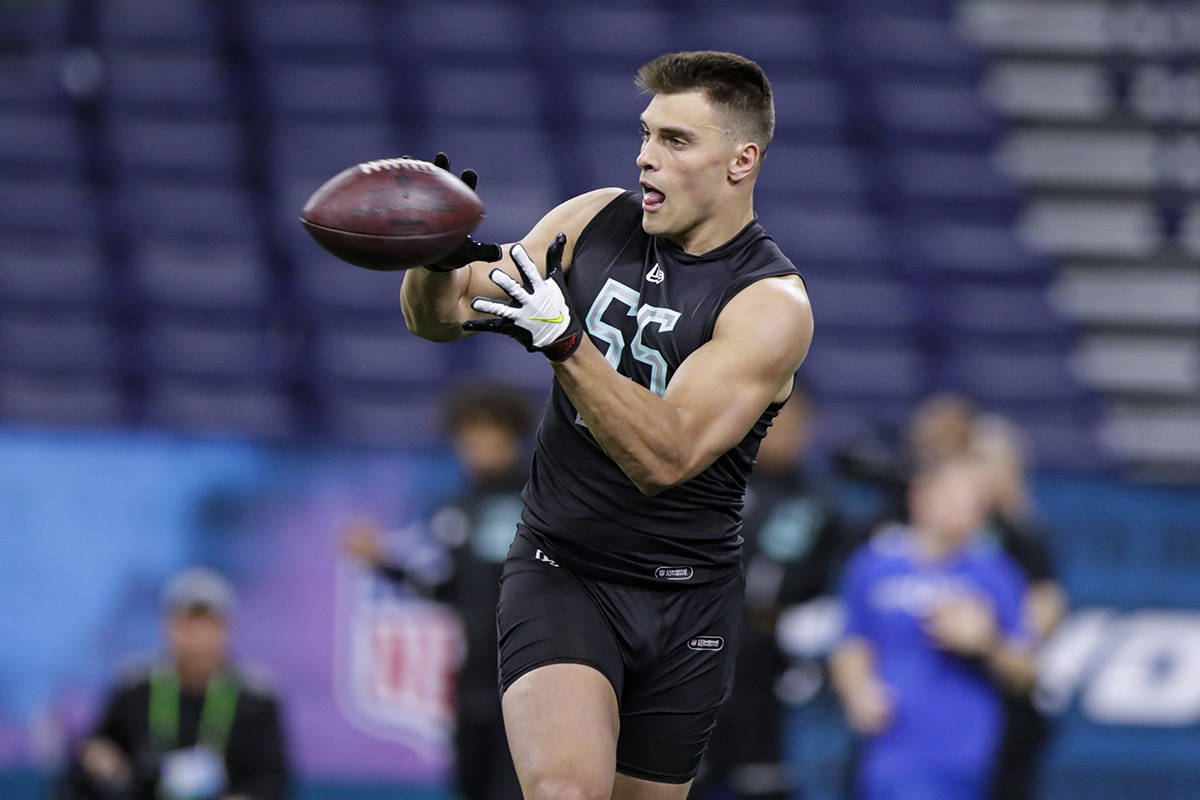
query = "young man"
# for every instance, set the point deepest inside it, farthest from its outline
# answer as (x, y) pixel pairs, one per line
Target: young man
(934, 632)
(621, 596)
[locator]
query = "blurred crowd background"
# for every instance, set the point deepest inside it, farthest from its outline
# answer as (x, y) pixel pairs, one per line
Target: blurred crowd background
(995, 204)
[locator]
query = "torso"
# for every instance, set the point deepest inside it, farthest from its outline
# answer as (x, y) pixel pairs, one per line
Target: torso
(647, 306)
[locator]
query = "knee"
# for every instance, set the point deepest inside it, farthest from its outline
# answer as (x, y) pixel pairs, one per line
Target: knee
(567, 788)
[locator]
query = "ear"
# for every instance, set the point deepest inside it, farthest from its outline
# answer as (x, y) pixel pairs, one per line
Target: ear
(745, 162)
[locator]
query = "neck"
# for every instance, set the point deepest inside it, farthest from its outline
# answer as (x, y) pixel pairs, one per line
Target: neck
(194, 679)
(716, 230)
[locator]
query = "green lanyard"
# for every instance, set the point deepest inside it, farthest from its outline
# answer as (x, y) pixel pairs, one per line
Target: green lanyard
(216, 716)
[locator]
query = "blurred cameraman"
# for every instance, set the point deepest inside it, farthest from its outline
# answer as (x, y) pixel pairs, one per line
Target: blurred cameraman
(191, 727)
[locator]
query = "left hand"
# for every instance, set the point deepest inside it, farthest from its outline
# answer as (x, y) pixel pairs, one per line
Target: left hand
(540, 315)
(964, 624)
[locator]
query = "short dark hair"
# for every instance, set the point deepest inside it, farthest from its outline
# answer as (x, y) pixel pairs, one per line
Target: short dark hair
(731, 82)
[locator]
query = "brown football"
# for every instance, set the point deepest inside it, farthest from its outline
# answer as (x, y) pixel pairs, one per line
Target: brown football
(391, 214)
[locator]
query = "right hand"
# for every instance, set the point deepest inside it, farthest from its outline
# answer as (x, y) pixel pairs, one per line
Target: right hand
(869, 708)
(470, 250)
(105, 763)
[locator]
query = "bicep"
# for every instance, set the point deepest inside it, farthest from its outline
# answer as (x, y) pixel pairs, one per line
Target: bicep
(722, 388)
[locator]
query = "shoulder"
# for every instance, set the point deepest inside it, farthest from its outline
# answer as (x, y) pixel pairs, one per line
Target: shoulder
(256, 684)
(570, 217)
(776, 308)
(883, 549)
(134, 672)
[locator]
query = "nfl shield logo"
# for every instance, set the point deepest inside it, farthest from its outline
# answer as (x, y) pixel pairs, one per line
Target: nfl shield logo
(397, 661)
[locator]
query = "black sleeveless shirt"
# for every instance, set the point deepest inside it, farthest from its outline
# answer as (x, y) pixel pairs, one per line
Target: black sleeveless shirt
(647, 305)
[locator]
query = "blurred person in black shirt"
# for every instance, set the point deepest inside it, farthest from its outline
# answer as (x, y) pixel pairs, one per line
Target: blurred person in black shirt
(192, 727)
(488, 428)
(999, 447)
(791, 546)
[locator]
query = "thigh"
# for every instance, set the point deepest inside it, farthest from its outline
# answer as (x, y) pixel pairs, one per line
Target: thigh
(545, 616)
(669, 710)
(562, 724)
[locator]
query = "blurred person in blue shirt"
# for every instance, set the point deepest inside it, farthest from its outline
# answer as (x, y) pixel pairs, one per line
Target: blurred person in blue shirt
(934, 633)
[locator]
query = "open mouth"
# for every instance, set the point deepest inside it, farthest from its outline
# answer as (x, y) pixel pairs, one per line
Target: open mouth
(652, 198)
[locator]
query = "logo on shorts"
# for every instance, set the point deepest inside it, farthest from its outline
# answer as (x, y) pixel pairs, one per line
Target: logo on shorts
(540, 556)
(674, 573)
(706, 643)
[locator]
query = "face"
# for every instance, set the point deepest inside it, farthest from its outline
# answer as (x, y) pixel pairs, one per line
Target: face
(687, 151)
(950, 505)
(487, 451)
(199, 641)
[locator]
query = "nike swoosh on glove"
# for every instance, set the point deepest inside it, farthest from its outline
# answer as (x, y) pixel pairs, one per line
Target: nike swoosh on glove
(540, 314)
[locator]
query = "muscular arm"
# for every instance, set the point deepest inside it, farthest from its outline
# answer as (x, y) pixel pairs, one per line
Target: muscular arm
(712, 401)
(435, 304)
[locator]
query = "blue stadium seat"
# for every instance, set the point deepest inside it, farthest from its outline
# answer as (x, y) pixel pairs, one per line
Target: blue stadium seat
(381, 354)
(162, 22)
(940, 251)
(52, 270)
(315, 26)
(167, 81)
(504, 154)
(78, 341)
(848, 304)
(325, 283)
(951, 186)
(43, 141)
(324, 148)
(58, 400)
(814, 172)
(1000, 311)
(454, 29)
(343, 90)
(43, 23)
(595, 33)
(214, 347)
(502, 95)
(809, 107)
(383, 419)
(498, 359)
(916, 8)
(604, 98)
(152, 207)
(31, 80)
(935, 114)
(606, 159)
(513, 209)
(820, 238)
(1010, 374)
(202, 147)
(887, 369)
(779, 40)
(201, 272)
(889, 44)
(60, 205)
(257, 410)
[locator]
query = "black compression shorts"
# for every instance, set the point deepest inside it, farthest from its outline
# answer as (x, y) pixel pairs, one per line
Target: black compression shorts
(668, 653)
